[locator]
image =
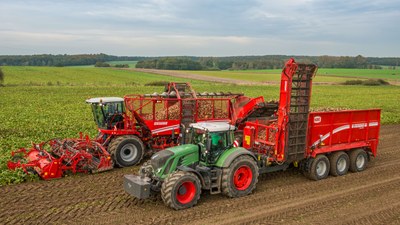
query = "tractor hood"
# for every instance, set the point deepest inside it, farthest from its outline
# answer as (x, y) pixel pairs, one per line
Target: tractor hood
(166, 161)
(184, 149)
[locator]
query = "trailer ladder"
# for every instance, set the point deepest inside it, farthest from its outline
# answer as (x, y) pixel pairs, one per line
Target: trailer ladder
(299, 110)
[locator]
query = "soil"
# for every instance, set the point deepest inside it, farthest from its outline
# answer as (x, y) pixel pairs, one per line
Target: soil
(286, 197)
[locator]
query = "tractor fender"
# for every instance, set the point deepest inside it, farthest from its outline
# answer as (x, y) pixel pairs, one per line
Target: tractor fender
(228, 156)
(188, 169)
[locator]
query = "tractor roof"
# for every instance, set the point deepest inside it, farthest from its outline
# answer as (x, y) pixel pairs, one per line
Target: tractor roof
(213, 126)
(104, 100)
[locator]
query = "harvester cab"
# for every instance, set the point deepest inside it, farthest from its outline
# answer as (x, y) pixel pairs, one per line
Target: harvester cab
(108, 112)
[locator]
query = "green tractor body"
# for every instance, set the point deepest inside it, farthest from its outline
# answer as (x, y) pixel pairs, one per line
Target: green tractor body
(204, 163)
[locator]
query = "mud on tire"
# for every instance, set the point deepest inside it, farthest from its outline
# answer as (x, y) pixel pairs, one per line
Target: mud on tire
(181, 190)
(320, 167)
(358, 160)
(240, 178)
(339, 163)
(126, 150)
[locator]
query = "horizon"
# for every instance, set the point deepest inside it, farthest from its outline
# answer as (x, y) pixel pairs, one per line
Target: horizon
(202, 28)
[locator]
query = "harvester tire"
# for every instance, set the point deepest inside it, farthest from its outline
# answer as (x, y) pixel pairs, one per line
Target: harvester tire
(181, 190)
(339, 163)
(126, 150)
(319, 168)
(358, 160)
(240, 178)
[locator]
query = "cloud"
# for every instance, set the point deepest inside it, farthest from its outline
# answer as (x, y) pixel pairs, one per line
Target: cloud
(200, 27)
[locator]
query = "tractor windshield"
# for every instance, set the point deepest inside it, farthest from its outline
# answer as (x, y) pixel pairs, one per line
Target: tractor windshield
(108, 115)
(197, 136)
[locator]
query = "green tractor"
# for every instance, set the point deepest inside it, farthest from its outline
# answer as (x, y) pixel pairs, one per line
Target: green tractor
(207, 161)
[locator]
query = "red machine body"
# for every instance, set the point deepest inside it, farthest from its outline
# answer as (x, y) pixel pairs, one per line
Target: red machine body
(54, 158)
(341, 130)
(293, 133)
(157, 118)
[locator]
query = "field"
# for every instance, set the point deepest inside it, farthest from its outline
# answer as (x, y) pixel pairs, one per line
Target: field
(39, 103)
(324, 75)
(369, 197)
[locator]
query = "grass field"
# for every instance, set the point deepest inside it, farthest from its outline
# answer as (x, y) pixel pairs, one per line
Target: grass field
(39, 103)
(323, 75)
(77, 76)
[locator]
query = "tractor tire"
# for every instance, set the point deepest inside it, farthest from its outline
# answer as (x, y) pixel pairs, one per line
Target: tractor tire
(339, 163)
(240, 178)
(358, 160)
(181, 190)
(319, 168)
(126, 150)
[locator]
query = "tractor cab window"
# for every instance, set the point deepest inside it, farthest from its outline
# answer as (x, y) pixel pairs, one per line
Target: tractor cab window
(218, 141)
(109, 114)
(197, 136)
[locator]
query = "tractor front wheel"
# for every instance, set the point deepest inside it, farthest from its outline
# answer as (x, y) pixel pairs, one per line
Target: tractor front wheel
(240, 178)
(126, 150)
(181, 190)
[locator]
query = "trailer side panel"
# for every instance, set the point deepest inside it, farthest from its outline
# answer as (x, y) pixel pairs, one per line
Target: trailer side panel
(343, 130)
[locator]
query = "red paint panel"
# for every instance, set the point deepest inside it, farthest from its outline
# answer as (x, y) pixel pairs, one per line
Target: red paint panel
(342, 130)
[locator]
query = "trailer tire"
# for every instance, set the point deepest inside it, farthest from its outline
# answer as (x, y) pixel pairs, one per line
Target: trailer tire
(358, 160)
(339, 163)
(181, 190)
(319, 168)
(240, 178)
(127, 150)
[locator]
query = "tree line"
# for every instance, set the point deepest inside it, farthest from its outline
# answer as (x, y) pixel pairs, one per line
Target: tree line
(201, 63)
(61, 60)
(264, 62)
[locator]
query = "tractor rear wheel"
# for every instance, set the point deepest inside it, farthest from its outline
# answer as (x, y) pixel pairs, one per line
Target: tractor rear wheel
(339, 163)
(181, 190)
(358, 160)
(126, 150)
(319, 168)
(240, 178)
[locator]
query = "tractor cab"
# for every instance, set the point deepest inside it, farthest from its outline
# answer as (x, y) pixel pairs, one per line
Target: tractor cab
(212, 138)
(108, 112)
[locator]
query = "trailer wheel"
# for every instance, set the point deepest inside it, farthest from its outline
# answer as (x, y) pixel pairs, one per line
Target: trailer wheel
(339, 163)
(126, 150)
(181, 190)
(319, 168)
(358, 160)
(240, 178)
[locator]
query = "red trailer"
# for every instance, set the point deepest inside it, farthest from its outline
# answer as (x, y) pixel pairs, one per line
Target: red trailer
(319, 142)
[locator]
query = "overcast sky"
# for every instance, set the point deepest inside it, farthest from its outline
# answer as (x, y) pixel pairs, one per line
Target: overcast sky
(201, 27)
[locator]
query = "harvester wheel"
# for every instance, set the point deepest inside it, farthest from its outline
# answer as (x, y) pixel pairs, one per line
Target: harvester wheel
(126, 150)
(319, 168)
(339, 163)
(240, 178)
(358, 160)
(181, 190)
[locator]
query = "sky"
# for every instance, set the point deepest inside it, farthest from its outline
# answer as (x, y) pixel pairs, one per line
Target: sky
(201, 27)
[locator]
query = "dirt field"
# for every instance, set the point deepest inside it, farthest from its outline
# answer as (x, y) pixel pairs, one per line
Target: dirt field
(369, 197)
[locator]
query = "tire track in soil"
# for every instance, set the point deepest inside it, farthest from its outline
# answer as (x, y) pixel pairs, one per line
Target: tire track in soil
(312, 204)
(90, 198)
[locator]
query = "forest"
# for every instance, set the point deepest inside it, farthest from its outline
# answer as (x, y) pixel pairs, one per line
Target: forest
(202, 63)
